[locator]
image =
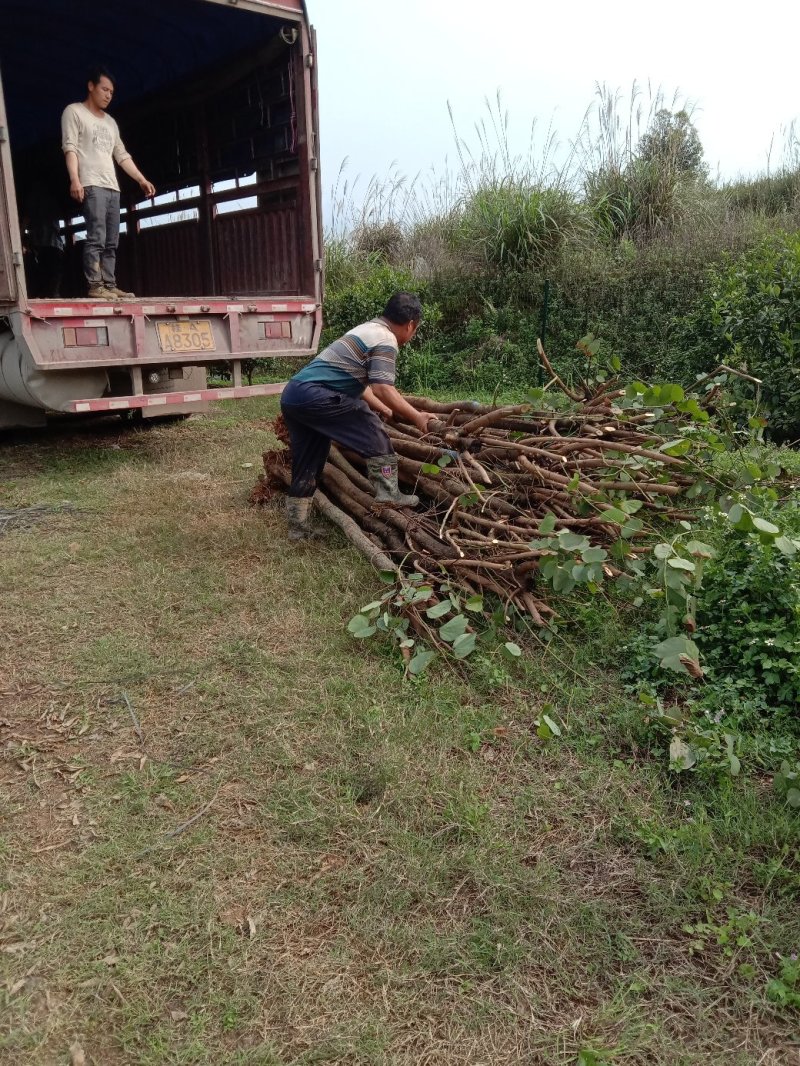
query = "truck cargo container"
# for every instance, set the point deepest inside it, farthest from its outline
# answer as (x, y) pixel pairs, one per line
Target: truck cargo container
(217, 102)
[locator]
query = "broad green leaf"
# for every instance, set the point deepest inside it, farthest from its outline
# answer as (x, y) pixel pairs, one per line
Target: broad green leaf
(548, 523)
(786, 546)
(439, 609)
(671, 394)
(676, 447)
(663, 551)
(454, 628)
(569, 542)
(594, 555)
(444, 460)
(681, 756)
(701, 550)
(763, 526)
(676, 580)
(474, 603)
(388, 577)
(371, 606)
(360, 627)
(464, 644)
(423, 593)
(614, 514)
(431, 468)
(552, 725)
(682, 564)
(633, 525)
(562, 580)
(793, 797)
(740, 518)
(669, 652)
(420, 661)
(513, 649)
(632, 506)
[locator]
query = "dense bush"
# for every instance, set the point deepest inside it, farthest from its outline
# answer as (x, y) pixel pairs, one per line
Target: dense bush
(636, 245)
(750, 318)
(748, 619)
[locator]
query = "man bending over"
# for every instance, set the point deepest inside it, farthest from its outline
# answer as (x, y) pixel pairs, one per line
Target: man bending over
(338, 397)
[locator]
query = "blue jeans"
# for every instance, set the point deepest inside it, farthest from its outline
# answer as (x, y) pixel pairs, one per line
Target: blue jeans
(315, 415)
(101, 212)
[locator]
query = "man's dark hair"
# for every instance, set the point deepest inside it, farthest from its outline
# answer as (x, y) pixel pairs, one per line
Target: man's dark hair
(96, 73)
(403, 307)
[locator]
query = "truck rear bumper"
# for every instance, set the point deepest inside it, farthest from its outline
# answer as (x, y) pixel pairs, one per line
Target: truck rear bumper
(171, 399)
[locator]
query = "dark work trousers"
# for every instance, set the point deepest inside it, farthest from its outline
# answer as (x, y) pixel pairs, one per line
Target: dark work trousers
(315, 415)
(101, 213)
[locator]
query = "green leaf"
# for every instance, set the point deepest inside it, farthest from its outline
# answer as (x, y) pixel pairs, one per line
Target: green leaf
(669, 653)
(474, 603)
(632, 506)
(562, 580)
(676, 447)
(388, 577)
(420, 661)
(464, 644)
(514, 650)
(681, 756)
(569, 541)
(439, 609)
(663, 551)
(682, 564)
(360, 627)
(454, 628)
(786, 546)
(634, 525)
(614, 514)
(552, 725)
(793, 797)
(701, 550)
(371, 606)
(444, 460)
(594, 555)
(740, 518)
(421, 594)
(430, 468)
(548, 523)
(763, 526)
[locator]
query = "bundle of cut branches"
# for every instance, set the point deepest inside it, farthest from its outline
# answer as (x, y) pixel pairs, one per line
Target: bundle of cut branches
(505, 490)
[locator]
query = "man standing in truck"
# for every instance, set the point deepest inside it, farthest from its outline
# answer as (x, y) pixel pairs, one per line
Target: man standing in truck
(339, 396)
(92, 144)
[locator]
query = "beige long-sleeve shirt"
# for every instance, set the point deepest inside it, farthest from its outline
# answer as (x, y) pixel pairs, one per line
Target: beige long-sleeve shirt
(97, 144)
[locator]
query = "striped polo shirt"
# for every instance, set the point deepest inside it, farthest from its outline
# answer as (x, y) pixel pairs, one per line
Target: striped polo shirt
(364, 356)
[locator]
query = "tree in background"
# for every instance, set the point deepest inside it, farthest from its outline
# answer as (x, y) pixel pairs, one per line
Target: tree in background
(672, 139)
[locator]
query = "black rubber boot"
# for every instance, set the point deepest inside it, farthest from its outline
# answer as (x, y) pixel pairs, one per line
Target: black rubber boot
(382, 470)
(298, 519)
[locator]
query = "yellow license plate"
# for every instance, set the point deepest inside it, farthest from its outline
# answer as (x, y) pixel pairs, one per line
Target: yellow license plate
(185, 337)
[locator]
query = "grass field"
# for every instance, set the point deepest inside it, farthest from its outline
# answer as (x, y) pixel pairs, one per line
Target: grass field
(233, 835)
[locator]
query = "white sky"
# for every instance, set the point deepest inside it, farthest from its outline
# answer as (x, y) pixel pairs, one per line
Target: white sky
(388, 68)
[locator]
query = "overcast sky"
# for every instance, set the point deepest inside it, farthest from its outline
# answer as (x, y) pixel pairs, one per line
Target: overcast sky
(388, 69)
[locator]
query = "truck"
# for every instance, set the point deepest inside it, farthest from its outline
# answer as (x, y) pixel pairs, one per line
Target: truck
(217, 102)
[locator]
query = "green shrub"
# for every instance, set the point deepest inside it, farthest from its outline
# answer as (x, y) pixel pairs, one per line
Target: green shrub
(750, 319)
(362, 296)
(747, 615)
(748, 619)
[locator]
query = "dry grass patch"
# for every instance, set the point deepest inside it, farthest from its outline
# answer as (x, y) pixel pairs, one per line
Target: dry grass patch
(231, 835)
